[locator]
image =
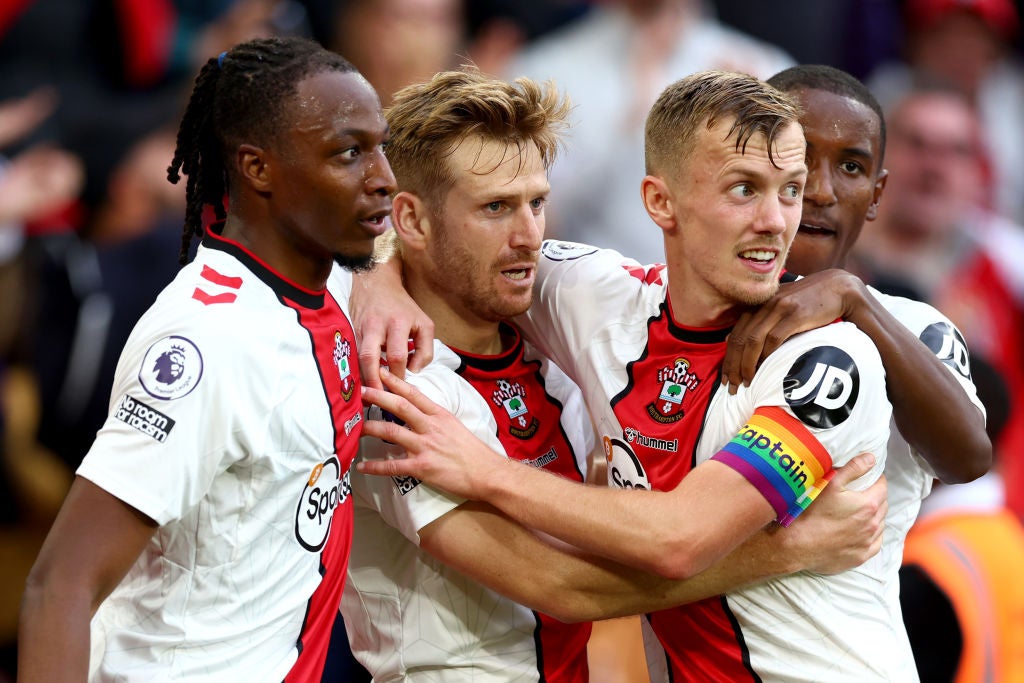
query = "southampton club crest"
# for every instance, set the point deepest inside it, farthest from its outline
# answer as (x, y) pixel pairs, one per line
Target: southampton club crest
(512, 397)
(675, 381)
(342, 358)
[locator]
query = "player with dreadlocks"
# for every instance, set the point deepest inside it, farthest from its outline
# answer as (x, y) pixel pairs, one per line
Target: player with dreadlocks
(207, 532)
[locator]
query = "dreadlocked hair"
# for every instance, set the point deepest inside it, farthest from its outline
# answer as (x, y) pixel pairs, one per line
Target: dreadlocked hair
(241, 96)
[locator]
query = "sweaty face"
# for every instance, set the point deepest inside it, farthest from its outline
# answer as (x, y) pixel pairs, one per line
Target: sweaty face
(737, 214)
(331, 181)
(486, 237)
(843, 179)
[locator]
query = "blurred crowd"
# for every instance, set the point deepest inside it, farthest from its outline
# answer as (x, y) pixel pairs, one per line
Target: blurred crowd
(91, 92)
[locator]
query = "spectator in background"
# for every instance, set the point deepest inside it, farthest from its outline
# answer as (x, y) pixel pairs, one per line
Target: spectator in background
(396, 43)
(613, 62)
(933, 237)
(969, 43)
(960, 586)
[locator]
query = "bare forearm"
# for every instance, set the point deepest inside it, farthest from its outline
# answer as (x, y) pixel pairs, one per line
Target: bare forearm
(603, 591)
(931, 410)
(53, 637)
(704, 518)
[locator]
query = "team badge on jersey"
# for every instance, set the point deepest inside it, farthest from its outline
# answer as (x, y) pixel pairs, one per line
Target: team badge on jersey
(342, 358)
(949, 346)
(822, 386)
(327, 488)
(512, 397)
(171, 368)
(675, 381)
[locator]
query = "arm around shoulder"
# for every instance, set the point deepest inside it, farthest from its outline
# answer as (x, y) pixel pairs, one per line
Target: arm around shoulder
(930, 405)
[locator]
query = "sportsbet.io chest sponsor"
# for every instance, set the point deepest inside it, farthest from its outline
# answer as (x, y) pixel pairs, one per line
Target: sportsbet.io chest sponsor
(327, 488)
(144, 418)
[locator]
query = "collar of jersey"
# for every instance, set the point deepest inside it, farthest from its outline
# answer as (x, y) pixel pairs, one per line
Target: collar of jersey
(284, 288)
(498, 361)
(693, 335)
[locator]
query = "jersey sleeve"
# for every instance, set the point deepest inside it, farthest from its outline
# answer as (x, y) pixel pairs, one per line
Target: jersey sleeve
(173, 413)
(578, 288)
(939, 334)
(406, 503)
(815, 403)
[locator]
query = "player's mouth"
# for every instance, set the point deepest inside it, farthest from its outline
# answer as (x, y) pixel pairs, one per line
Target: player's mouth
(816, 229)
(761, 260)
(377, 221)
(519, 275)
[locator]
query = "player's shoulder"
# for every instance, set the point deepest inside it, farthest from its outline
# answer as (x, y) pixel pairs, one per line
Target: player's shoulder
(597, 270)
(823, 374)
(441, 383)
(913, 314)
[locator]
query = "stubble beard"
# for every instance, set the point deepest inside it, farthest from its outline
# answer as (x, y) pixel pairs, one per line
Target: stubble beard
(355, 264)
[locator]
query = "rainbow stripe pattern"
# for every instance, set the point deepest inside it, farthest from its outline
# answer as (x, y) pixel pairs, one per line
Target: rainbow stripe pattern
(776, 453)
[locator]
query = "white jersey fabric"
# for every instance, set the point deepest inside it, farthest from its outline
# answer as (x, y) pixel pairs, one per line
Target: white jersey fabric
(654, 393)
(410, 617)
(234, 417)
(908, 474)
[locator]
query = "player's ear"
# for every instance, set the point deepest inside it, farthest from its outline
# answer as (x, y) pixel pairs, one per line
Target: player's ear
(411, 219)
(253, 168)
(876, 195)
(658, 201)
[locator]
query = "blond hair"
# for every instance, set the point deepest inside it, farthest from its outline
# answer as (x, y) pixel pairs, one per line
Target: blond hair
(706, 98)
(430, 120)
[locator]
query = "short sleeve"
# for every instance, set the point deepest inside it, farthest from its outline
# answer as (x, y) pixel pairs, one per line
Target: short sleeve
(406, 503)
(814, 404)
(170, 419)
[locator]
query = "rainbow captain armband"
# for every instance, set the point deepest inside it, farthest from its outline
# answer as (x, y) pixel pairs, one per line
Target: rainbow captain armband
(776, 453)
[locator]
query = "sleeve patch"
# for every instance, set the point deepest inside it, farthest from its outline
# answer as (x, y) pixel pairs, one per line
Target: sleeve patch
(822, 386)
(949, 346)
(781, 458)
(171, 369)
(555, 250)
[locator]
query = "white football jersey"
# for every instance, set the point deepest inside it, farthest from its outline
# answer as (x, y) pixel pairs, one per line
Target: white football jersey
(409, 616)
(234, 418)
(654, 392)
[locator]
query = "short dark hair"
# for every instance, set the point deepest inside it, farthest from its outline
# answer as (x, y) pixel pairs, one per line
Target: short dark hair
(837, 82)
(240, 96)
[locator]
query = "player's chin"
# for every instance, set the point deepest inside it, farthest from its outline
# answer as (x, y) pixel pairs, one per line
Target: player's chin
(355, 263)
(757, 293)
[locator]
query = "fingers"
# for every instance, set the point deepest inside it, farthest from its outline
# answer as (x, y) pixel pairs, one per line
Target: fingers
(753, 337)
(369, 359)
(397, 348)
(854, 469)
(402, 400)
(423, 345)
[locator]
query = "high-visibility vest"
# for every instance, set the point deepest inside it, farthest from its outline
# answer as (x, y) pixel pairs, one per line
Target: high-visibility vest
(977, 560)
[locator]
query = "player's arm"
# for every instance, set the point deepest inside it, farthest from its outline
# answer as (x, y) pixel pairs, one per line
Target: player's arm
(92, 544)
(841, 531)
(931, 409)
(674, 534)
(385, 317)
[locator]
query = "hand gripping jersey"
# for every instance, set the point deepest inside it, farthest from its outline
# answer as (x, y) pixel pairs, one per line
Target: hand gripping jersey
(654, 393)
(409, 616)
(234, 418)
